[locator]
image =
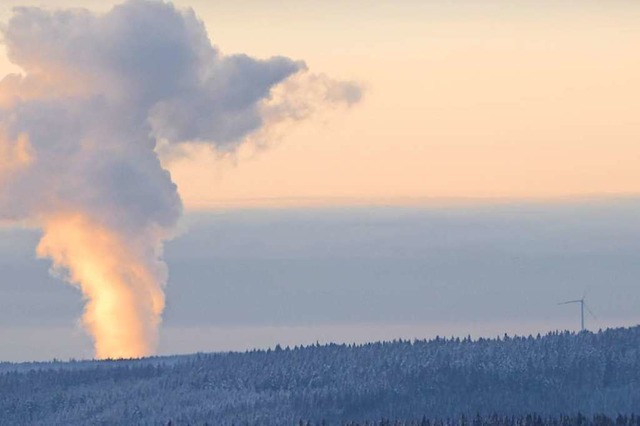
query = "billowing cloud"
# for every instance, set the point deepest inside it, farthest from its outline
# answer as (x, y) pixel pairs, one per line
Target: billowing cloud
(79, 130)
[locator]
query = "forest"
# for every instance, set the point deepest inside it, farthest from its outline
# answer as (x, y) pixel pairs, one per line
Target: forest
(566, 378)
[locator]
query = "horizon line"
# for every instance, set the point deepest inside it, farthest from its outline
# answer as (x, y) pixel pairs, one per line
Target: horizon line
(285, 203)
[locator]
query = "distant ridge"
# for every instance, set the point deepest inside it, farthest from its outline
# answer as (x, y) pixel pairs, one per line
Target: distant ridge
(561, 373)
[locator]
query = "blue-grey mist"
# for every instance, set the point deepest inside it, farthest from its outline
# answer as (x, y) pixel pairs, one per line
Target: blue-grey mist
(252, 278)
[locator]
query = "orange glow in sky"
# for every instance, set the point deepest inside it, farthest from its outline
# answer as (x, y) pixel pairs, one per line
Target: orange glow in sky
(482, 101)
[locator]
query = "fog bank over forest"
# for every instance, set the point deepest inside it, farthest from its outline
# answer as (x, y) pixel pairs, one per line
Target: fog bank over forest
(252, 278)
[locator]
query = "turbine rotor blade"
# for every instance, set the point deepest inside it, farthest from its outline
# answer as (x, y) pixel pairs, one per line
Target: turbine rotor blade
(570, 301)
(590, 312)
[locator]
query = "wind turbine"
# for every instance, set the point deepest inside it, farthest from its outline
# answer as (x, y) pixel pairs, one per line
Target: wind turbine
(582, 307)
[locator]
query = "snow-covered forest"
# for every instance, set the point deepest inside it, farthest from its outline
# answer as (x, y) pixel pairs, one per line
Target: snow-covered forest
(559, 374)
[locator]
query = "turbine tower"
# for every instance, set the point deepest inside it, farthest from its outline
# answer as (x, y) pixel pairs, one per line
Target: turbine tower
(582, 307)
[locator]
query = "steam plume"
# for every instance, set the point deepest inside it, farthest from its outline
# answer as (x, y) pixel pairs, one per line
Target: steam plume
(79, 130)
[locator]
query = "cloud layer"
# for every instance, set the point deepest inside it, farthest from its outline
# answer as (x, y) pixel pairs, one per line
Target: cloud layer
(78, 135)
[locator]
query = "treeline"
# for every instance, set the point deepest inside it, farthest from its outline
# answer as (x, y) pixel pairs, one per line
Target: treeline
(498, 420)
(560, 373)
(494, 420)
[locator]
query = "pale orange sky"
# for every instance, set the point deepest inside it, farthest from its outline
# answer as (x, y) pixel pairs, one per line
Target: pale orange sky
(478, 99)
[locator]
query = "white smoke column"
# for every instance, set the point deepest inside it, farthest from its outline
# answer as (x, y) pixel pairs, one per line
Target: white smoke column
(122, 281)
(79, 130)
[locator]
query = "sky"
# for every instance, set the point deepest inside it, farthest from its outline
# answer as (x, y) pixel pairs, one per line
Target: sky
(473, 99)
(489, 171)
